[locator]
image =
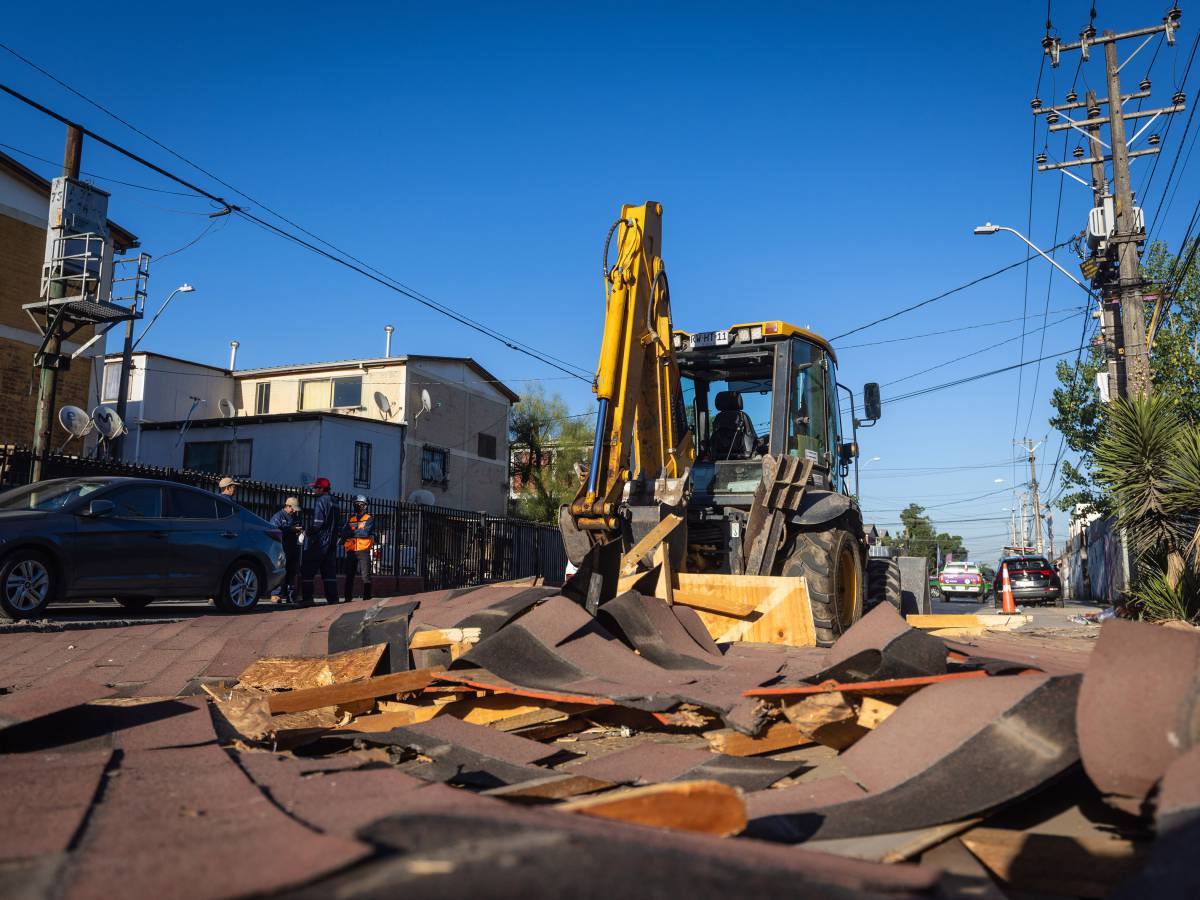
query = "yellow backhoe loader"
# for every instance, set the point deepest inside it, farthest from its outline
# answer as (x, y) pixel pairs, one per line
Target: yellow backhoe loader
(723, 450)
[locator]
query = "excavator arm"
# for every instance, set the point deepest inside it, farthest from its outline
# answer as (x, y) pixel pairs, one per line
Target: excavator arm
(642, 453)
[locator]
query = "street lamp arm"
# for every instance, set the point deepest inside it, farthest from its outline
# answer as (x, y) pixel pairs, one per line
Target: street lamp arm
(989, 228)
(186, 288)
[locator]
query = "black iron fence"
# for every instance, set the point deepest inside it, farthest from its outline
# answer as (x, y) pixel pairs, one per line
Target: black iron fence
(448, 548)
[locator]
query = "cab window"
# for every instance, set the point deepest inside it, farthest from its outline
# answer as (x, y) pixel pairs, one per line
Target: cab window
(807, 407)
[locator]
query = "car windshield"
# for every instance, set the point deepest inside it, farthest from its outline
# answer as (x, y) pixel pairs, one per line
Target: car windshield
(48, 495)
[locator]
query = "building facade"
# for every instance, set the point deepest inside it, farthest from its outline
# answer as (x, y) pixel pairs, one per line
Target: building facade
(24, 209)
(386, 427)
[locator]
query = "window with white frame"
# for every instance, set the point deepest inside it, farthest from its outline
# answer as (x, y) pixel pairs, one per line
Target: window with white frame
(331, 393)
(112, 382)
(262, 398)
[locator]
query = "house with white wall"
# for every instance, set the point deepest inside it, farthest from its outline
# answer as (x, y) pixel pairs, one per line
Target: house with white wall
(385, 427)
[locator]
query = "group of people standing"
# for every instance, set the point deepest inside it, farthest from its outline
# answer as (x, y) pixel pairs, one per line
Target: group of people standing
(312, 550)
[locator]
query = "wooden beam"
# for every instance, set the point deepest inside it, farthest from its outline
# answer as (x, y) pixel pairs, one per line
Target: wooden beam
(558, 786)
(336, 694)
(707, 807)
(1001, 622)
(779, 736)
(652, 539)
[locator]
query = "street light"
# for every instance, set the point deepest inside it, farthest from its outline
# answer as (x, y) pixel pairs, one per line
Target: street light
(989, 228)
(118, 450)
(184, 288)
(871, 460)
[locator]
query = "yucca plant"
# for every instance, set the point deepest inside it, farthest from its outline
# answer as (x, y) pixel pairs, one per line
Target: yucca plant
(1157, 599)
(1184, 490)
(1137, 460)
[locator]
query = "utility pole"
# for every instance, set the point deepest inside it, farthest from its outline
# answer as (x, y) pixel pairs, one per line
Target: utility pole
(1116, 228)
(1035, 500)
(1128, 238)
(50, 358)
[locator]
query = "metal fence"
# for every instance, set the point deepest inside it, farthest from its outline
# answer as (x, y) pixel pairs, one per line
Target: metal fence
(448, 548)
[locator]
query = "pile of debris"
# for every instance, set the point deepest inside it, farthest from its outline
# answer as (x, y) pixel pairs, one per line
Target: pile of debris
(503, 741)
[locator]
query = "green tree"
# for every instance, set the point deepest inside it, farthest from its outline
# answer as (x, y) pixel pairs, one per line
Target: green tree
(919, 537)
(1174, 361)
(547, 445)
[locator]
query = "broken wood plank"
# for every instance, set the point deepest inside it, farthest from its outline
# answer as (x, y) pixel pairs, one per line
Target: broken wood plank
(890, 686)
(707, 807)
(558, 786)
(442, 637)
(729, 595)
(242, 713)
(872, 711)
(1001, 622)
(1078, 866)
(830, 719)
(649, 542)
(289, 673)
(779, 736)
(665, 588)
(335, 694)
(396, 718)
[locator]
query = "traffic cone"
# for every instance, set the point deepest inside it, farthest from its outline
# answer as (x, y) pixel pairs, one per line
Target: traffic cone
(1007, 605)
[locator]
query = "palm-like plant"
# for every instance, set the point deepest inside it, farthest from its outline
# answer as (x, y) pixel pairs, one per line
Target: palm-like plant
(1184, 495)
(1141, 460)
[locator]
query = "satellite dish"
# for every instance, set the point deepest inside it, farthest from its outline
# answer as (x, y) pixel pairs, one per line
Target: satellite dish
(226, 408)
(108, 423)
(422, 496)
(426, 404)
(75, 420)
(384, 404)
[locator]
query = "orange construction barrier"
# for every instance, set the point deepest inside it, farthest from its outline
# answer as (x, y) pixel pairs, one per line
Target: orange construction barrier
(1007, 605)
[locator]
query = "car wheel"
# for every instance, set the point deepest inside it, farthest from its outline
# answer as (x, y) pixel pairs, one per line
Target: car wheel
(241, 587)
(135, 602)
(27, 584)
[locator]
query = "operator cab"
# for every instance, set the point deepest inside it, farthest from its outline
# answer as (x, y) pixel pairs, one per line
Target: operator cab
(766, 387)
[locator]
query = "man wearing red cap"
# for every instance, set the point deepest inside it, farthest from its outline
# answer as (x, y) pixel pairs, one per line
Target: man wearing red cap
(320, 546)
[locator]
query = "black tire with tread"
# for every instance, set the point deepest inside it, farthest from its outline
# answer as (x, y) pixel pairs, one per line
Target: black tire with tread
(883, 582)
(813, 554)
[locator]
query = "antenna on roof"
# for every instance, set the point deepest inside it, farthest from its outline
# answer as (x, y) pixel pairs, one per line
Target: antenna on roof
(384, 405)
(426, 403)
(226, 408)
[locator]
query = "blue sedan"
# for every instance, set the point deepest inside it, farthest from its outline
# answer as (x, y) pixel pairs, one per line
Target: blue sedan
(134, 540)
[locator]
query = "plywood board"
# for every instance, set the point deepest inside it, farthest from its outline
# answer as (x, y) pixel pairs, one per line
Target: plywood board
(336, 694)
(998, 622)
(779, 736)
(708, 807)
(289, 673)
(755, 608)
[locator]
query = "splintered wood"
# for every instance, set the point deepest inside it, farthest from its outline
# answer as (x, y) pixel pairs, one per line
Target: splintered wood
(289, 673)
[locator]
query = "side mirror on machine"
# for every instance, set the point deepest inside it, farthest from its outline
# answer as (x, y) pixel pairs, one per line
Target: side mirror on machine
(847, 452)
(871, 402)
(98, 509)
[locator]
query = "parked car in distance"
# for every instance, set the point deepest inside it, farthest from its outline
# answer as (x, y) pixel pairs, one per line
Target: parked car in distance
(961, 580)
(1033, 580)
(135, 540)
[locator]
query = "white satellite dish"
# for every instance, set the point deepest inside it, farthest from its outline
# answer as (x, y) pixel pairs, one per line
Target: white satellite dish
(226, 408)
(108, 423)
(426, 404)
(383, 404)
(76, 421)
(422, 496)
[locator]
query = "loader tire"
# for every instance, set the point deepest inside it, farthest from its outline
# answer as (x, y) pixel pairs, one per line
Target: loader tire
(883, 582)
(830, 562)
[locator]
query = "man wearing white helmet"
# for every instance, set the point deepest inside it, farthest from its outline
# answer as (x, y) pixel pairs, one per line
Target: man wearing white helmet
(359, 538)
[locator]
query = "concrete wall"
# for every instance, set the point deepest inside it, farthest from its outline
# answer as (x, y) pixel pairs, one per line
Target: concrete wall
(464, 407)
(294, 453)
(386, 379)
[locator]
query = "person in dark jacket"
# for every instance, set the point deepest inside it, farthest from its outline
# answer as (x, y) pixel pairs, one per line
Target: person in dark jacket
(358, 539)
(320, 546)
(287, 520)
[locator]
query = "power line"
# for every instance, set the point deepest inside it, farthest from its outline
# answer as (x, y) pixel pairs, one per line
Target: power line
(941, 296)
(945, 331)
(348, 262)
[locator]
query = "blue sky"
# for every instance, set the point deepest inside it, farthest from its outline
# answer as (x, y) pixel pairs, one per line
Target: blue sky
(816, 166)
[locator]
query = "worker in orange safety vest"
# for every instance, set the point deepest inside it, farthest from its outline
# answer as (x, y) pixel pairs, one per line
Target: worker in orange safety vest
(359, 535)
